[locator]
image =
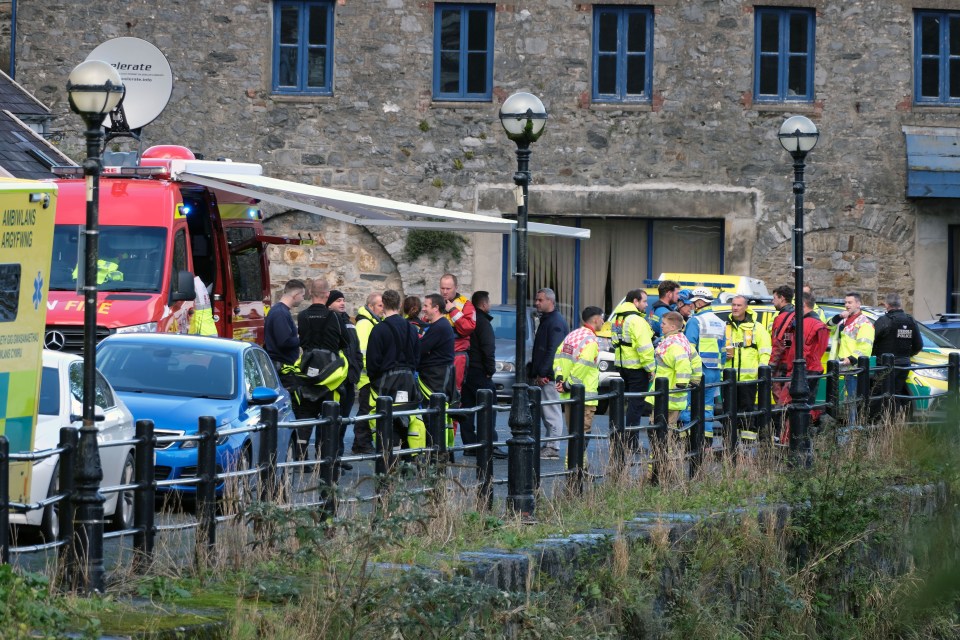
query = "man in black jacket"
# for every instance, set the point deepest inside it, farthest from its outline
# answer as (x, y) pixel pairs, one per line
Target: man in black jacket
(550, 333)
(348, 391)
(393, 346)
(318, 328)
(896, 333)
(480, 370)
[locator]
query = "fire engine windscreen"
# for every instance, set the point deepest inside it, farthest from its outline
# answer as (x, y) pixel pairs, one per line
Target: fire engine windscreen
(130, 258)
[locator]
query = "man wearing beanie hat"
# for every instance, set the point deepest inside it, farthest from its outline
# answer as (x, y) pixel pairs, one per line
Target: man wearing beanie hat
(319, 328)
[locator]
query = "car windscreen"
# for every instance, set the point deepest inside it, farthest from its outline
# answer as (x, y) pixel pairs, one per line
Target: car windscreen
(49, 392)
(130, 258)
(933, 340)
(169, 370)
(504, 324)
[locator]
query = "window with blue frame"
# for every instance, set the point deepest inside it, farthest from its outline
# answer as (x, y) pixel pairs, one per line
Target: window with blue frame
(463, 51)
(622, 53)
(783, 66)
(303, 47)
(936, 57)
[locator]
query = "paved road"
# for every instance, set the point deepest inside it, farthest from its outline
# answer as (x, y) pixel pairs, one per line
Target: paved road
(177, 546)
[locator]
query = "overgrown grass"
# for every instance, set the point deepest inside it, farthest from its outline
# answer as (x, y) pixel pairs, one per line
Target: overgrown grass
(856, 561)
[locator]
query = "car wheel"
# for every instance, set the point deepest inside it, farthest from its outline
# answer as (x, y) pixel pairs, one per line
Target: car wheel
(602, 406)
(50, 522)
(123, 516)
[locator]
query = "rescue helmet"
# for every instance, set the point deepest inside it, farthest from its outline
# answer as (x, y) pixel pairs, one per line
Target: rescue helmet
(701, 293)
(685, 296)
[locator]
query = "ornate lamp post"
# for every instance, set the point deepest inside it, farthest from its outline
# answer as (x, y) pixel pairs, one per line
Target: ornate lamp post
(523, 118)
(95, 89)
(799, 135)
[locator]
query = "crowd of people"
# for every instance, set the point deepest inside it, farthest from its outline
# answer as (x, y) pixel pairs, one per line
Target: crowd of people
(412, 348)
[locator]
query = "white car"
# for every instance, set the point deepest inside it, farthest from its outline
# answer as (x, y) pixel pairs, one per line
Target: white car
(61, 394)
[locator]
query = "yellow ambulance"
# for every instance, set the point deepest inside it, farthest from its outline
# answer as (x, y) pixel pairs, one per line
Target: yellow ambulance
(26, 248)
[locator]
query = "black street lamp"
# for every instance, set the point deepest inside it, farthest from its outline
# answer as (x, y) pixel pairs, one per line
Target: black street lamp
(799, 135)
(95, 89)
(523, 118)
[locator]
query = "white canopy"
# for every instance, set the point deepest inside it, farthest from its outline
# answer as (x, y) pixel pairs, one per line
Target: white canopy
(359, 208)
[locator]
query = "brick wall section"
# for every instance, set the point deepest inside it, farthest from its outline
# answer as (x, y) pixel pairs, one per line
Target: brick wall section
(703, 128)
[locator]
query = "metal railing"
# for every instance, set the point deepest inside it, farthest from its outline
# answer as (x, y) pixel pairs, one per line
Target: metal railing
(270, 470)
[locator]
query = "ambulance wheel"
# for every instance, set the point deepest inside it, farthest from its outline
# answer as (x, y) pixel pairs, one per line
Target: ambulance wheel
(50, 522)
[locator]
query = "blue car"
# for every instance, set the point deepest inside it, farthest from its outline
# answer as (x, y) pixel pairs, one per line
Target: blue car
(174, 379)
(947, 326)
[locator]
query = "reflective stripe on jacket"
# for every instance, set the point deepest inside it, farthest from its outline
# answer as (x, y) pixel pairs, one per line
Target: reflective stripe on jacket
(674, 363)
(751, 345)
(363, 335)
(632, 338)
(577, 360)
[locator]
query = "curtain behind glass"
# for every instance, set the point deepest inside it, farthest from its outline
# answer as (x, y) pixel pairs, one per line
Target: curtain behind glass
(687, 246)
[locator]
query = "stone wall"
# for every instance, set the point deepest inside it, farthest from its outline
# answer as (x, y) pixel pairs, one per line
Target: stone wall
(382, 134)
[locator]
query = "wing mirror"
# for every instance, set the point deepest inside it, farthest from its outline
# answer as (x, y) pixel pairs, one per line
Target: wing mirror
(263, 395)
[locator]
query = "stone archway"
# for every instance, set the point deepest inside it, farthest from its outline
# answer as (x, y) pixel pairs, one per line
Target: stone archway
(349, 256)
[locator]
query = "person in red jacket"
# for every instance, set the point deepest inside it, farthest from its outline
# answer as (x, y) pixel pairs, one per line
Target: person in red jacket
(463, 316)
(816, 341)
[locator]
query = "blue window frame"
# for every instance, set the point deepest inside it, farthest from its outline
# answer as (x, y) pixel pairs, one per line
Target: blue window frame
(784, 60)
(622, 54)
(463, 52)
(303, 47)
(936, 57)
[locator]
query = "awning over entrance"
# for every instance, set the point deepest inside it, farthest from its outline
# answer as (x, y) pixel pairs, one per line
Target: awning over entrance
(357, 208)
(933, 162)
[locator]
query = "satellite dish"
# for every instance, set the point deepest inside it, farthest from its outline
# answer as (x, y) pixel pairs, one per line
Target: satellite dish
(146, 75)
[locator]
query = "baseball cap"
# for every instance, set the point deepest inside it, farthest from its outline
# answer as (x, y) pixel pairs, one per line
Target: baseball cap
(701, 293)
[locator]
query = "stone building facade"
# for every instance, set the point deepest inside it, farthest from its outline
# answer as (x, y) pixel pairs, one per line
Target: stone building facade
(702, 148)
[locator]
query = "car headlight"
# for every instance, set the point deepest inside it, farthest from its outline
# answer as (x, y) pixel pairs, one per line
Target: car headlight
(147, 327)
(505, 366)
(940, 373)
(193, 444)
(604, 365)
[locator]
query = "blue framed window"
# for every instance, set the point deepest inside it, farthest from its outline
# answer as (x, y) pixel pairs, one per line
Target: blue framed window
(936, 57)
(783, 65)
(463, 52)
(622, 53)
(303, 47)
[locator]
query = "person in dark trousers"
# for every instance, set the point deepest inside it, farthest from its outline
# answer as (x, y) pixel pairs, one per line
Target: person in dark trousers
(896, 333)
(318, 328)
(368, 316)
(348, 391)
(393, 345)
(550, 333)
(482, 365)
(435, 373)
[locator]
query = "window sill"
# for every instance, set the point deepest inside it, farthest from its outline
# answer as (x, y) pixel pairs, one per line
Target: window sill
(638, 107)
(782, 107)
(926, 107)
(466, 104)
(301, 97)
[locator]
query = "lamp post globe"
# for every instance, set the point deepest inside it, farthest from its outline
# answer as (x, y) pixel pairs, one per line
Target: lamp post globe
(523, 118)
(95, 89)
(798, 135)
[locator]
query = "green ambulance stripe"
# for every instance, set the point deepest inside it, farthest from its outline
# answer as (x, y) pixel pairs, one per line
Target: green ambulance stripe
(17, 393)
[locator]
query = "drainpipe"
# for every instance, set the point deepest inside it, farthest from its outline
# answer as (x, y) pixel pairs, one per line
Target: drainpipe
(13, 39)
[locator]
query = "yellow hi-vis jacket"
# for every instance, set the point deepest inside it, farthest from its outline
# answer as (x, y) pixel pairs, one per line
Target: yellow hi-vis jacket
(107, 271)
(751, 345)
(674, 362)
(363, 335)
(632, 338)
(856, 338)
(577, 361)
